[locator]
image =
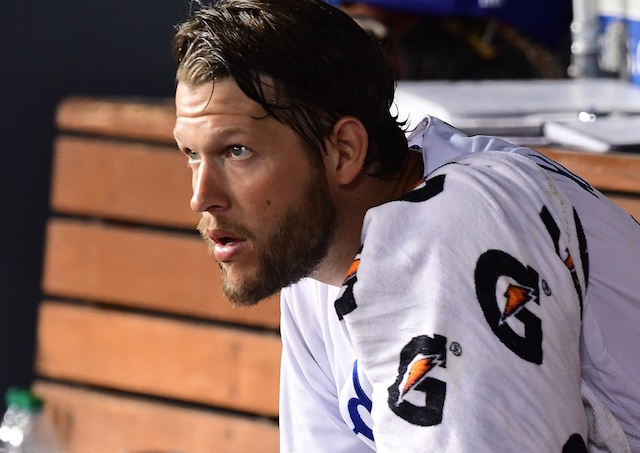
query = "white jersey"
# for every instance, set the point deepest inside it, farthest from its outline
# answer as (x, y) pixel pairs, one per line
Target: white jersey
(459, 326)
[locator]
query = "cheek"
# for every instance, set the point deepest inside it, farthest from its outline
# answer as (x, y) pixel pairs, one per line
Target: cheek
(277, 190)
(268, 204)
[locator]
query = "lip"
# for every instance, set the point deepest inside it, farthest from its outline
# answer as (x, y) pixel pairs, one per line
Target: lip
(227, 245)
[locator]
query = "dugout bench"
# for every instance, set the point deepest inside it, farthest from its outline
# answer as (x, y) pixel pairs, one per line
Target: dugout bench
(137, 349)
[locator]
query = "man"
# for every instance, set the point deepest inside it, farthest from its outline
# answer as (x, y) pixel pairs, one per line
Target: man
(472, 266)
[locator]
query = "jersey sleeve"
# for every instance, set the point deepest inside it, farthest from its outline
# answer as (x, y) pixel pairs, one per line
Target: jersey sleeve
(464, 309)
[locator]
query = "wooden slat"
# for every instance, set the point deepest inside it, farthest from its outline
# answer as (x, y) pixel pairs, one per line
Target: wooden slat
(141, 268)
(138, 118)
(157, 356)
(123, 181)
(92, 422)
(612, 171)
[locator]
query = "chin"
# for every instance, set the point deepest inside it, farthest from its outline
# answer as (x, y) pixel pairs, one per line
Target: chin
(243, 291)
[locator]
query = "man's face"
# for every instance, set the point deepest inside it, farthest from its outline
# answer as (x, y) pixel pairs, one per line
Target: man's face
(267, 215)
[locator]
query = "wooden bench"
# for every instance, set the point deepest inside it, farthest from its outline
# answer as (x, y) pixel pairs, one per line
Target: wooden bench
(137, 347)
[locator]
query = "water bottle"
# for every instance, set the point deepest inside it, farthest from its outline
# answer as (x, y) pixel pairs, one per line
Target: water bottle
(633, 40)
(612, 38)
(24, 428)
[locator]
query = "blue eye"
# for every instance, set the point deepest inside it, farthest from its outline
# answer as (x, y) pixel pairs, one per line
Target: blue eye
(191, 154)
(239, 152)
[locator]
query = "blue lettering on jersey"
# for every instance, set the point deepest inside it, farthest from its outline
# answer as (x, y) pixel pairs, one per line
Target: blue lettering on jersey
(359, 426)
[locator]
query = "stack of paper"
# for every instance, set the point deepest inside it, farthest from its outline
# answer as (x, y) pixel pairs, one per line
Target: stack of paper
(513, 108)
(609, 133)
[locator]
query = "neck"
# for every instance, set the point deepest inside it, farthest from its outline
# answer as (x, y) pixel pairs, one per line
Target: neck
(410, 175)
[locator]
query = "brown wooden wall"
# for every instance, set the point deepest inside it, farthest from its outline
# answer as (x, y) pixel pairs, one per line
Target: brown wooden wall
(137, 347)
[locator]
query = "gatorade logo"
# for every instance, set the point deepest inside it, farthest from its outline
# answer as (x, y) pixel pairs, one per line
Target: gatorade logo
(504, 308)
(418, 395)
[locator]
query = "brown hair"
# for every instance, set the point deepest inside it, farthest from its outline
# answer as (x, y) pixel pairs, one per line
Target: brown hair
(322, 64)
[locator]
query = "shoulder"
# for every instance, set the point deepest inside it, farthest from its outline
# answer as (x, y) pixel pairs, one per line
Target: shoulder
(466, 188)
(474, 204)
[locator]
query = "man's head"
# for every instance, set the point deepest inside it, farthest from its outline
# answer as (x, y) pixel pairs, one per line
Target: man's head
(281, 106)
(267, 214)
(322, 65)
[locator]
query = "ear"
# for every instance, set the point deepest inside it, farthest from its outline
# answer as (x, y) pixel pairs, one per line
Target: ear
(347, 149)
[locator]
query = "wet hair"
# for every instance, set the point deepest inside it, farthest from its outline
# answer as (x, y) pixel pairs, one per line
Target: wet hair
(322, 64)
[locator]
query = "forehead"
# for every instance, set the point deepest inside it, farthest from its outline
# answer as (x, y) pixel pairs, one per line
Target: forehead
(223, 97)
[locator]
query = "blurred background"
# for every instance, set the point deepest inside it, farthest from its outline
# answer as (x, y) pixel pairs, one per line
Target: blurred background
(49, 50)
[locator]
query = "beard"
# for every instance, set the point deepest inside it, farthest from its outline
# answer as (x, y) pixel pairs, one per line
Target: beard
(290, 250)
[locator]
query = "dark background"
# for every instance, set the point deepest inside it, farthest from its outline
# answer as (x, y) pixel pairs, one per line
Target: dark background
(50, 49)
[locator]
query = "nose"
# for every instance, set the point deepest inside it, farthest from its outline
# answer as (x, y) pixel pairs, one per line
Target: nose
(208, 192)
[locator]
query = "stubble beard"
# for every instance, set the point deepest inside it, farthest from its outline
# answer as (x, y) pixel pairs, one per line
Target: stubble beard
(292, 250)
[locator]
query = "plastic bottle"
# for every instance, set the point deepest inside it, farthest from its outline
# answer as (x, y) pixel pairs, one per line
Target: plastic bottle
(612, 38)
(24, 427)
(632, 16)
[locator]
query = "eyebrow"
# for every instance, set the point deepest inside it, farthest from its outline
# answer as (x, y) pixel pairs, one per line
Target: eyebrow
(222, 133)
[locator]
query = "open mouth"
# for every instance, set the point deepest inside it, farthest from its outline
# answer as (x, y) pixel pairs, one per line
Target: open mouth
(222, 237)
(227, 247)
(226, 240)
